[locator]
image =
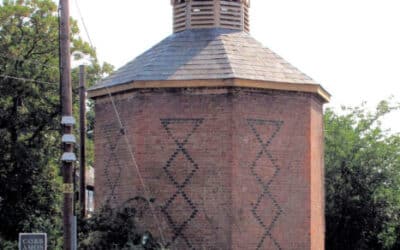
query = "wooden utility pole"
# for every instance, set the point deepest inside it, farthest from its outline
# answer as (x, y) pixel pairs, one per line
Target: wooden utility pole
(82, 152)
(68, 140)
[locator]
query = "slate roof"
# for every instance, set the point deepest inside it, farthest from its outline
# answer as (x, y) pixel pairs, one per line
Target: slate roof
(199, 54)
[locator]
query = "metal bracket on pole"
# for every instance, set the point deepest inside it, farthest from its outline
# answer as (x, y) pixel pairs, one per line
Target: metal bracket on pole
(68, 121)
(68, 157)
(68, 139)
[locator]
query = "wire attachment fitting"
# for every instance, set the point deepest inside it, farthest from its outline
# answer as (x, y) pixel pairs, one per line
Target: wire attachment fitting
(68, 121)
(68, 157)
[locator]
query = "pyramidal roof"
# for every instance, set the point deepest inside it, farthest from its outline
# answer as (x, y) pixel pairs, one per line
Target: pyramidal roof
(215, 53)
(210, 47)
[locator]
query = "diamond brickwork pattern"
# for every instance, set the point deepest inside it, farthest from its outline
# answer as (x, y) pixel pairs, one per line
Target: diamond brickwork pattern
(265, 181)
(185, 127)
(113, 139)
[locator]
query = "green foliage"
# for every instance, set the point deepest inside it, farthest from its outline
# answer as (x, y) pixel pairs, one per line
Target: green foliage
(30, 195)
(8, 245)
(29, 191)
(116, 228)
(362, 160)
(362, 180)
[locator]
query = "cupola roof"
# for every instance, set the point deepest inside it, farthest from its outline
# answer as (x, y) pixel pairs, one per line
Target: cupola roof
(209, 53)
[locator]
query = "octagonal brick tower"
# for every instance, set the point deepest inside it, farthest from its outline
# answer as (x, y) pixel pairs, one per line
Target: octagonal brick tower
(227, 137)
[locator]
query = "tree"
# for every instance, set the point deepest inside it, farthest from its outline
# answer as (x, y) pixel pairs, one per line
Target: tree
(362, 180)
(29, 117)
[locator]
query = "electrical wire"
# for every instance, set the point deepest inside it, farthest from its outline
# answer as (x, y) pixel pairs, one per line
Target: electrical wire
(83, 23)
(26, 79)
(29, 61)
(130, 148)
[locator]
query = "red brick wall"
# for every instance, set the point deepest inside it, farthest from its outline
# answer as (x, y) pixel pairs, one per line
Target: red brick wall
(228, 168)
(317, 177)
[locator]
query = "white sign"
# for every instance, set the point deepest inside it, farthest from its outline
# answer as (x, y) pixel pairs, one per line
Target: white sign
(32, 241)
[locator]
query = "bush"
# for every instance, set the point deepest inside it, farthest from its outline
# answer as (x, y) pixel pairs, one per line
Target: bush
(115, 228)
(8, 245)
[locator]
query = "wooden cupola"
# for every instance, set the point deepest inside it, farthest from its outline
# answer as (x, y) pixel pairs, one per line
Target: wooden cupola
(199, 14)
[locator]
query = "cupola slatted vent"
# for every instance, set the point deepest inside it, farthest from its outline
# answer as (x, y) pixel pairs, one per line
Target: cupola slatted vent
(179, 17)
(231, 15)
(202, 14)
(246, 19)
(197, 14)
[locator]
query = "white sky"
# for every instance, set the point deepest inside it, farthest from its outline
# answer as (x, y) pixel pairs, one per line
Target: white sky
(351, 47)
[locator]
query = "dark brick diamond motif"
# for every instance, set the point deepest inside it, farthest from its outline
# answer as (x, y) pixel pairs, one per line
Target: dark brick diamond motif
(180, 131)
(113, 138)
(265, 178)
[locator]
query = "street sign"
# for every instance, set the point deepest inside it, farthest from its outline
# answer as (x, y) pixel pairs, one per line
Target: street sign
(32, 241)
